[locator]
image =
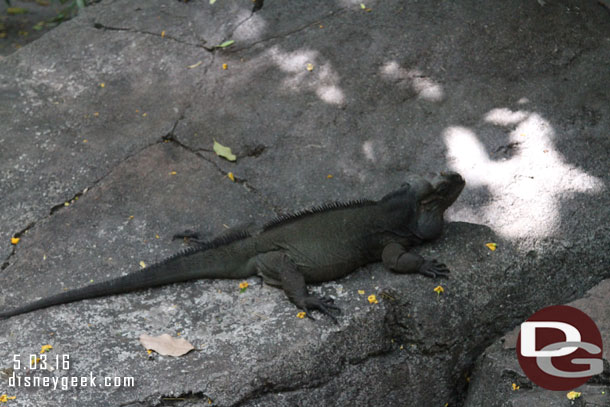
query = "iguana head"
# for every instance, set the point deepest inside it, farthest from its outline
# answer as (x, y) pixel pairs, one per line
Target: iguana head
(446, 187)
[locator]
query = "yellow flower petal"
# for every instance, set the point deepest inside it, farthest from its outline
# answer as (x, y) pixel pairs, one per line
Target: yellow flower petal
(310, 67)
(439, 289)
(243, 285)
(301, 315)
(373, 299)
(15, 240)
(225, 66)
(515, 387)
(491, 246)
(142, 264)
(231, 176)
(573, 395)
(45, 348)
(361, 292)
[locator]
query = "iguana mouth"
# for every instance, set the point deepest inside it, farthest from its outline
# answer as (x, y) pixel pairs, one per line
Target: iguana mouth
(447, 187)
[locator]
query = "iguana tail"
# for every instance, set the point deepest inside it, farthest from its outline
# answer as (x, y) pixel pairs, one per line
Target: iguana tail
(226, 257)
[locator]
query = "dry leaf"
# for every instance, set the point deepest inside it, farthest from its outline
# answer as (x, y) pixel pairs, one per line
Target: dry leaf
(223, 151)
(166, 345)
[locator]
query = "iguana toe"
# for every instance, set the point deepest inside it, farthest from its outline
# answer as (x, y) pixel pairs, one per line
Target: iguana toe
(323, 304)
(433, 268)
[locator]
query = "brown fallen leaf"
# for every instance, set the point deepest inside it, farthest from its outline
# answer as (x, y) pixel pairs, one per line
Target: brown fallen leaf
(166, 345)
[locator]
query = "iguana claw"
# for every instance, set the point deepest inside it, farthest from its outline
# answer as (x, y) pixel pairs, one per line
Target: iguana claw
(432, 268)
(322, 304)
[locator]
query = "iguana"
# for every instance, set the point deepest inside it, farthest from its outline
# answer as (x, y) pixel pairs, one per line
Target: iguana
(311, 246)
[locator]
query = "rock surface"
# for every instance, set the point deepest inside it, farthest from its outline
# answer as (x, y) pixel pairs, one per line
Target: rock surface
(106, 131)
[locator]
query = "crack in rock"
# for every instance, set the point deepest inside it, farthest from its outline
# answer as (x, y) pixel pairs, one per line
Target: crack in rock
(100, 26)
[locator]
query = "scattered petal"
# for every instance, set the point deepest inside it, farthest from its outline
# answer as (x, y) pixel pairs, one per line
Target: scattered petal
(515, 387)
(15, 240)
(173, 173)
(573, 395)
(4, 398)
(310, 67)
(301, 315)
(226, 44)
(144, 114)
(156, 236)
(166, 345)
(243, 284)
(225, 66)
(361, 292)
(102, 85)
(195, 65)
(142, 264)
(439, 289)
(231, 176)
(224, 152)
(45, 348)
(373, 299)
(85, 141)
(329, 176)
(492, 246)
(163, 34)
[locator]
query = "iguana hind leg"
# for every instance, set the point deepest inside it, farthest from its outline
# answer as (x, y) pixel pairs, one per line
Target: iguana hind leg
(278, 269)
(397, 259)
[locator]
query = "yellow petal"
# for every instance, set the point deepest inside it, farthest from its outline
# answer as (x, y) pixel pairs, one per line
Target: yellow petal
(573, 395)
(491, 246)
(142, 264)
(373, 299)
(225, 66)
(361, 292)
(439, 289)
(301, 315)
(195, 65)
(231, 176)
(45, 348)
(15, 240)
(310, 67)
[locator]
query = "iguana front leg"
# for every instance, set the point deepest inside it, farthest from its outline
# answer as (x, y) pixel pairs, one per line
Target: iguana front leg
(397, 259)
(277, 268)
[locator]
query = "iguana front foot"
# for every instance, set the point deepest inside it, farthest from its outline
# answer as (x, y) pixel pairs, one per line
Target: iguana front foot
(432, 268)
(397, 259)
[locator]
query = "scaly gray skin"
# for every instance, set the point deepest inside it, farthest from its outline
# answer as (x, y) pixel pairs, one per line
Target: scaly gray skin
(312, 246)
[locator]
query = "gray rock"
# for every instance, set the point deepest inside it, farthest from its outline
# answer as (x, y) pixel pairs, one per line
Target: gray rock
(497, 368)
